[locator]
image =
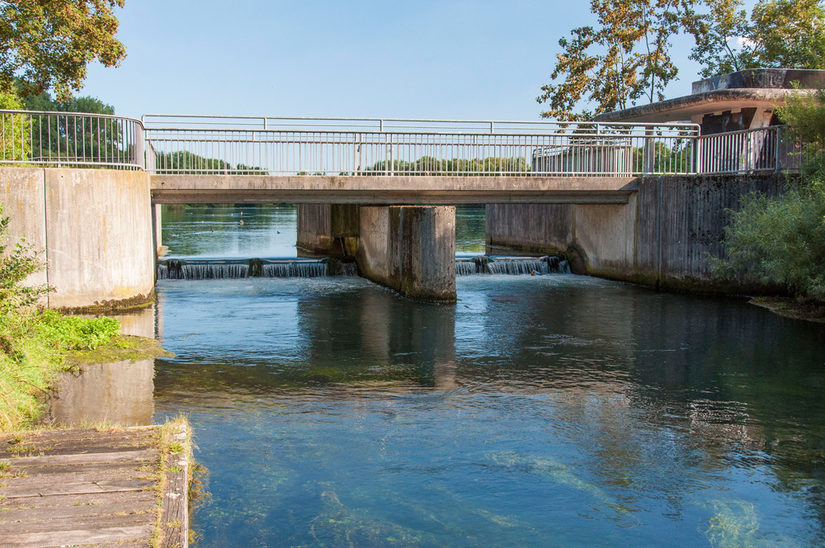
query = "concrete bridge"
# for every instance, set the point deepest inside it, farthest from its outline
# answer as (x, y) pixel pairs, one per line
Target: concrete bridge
(377, 190)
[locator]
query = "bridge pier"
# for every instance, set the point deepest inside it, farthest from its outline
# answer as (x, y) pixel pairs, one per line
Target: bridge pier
(407, 248)
(410, 249)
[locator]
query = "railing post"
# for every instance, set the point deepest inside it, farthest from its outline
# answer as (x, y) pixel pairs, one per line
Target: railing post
(697, 155)
(778, 152)
(649, 153)
(140, 146)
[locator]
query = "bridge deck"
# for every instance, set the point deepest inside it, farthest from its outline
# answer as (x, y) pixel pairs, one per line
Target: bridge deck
(387, 190)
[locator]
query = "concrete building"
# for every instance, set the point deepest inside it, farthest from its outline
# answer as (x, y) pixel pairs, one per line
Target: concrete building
(729, 102)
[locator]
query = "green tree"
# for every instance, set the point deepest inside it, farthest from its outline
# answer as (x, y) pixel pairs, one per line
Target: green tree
(15, 129)
(788, 33)
(48, 43)
(718, 33)
(45, 102)
(626, 58)
(778, 33)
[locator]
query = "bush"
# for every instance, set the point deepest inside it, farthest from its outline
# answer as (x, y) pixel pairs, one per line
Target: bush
(779, 241)
(15, 267)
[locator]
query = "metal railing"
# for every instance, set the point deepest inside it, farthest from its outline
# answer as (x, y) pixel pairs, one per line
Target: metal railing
(770, 149)
(70, 139)
(366, 146)
(169, 144)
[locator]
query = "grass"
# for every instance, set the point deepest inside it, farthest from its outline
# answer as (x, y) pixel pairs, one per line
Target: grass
(176, 448)
(37, 345)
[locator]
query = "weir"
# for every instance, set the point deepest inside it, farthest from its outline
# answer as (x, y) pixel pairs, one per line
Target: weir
(217, 268)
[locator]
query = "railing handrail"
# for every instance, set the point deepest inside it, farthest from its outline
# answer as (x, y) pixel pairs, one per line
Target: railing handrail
(609, 148)
(204, 120)
(72, 113)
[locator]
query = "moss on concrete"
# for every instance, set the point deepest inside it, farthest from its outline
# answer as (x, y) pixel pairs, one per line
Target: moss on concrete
(104, 307)
(120, 348)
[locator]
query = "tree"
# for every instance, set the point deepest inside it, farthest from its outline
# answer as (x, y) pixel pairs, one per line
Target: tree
(48, 43)
(718, 33)
(779, 33)
(86, 104)
(15, 129)
(789, 34)
(625, 59)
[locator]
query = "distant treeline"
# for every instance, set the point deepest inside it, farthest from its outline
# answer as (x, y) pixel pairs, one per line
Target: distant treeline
(185, 162)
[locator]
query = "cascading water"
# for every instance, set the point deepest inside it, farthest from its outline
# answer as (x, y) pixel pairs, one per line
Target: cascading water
(210, 269)
(214, 269)
(511, 265)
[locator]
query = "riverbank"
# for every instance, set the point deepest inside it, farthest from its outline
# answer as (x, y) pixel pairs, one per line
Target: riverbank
(36, 347)
(111, 485)
(789, 307)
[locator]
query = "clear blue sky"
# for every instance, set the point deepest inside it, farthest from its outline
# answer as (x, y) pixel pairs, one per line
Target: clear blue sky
(439, 59)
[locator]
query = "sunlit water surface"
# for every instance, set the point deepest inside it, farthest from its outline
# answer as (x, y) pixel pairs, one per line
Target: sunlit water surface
(547, 410)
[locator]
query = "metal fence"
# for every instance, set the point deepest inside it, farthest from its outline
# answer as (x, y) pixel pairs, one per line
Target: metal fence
(750, 151)
(389, 146)
(338, 146)
(71, 139)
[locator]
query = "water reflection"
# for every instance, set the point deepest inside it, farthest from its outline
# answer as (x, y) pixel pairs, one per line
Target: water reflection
(119, 393)
(239, 230)
(555, 407)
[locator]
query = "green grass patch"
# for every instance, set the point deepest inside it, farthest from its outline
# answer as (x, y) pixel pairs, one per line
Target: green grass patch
(36, 346)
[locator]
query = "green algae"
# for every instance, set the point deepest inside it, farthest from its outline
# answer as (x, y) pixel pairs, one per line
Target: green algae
(119, 348)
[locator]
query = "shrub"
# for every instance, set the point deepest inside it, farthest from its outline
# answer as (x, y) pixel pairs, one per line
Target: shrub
(779, 241)
(15, 267)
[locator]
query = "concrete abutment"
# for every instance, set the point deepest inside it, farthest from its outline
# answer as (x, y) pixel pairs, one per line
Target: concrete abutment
(93, 228)
(663, 237)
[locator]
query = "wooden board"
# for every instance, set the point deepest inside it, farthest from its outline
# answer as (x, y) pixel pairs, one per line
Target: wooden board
(87, 487)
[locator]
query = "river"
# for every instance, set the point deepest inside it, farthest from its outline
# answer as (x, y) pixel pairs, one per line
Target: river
(539, 410)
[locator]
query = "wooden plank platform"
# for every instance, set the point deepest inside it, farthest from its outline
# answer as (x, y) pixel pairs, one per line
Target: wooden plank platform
(94, 487)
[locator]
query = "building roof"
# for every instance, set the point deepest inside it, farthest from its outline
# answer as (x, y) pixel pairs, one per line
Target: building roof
(760, 88)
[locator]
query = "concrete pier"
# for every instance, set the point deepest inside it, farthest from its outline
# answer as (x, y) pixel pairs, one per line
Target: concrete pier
(92, 227)
(410, 249)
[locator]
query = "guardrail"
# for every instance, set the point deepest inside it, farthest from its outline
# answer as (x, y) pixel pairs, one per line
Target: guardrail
(770, 149)
(168, 144)
(341, 146)
(71, 139)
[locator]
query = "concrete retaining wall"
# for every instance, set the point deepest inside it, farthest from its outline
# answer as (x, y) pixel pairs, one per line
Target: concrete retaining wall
(94, 227)
(661, 237)
(410, 249)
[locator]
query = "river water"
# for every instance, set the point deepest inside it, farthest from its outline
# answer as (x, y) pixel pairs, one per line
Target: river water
(539, 410)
